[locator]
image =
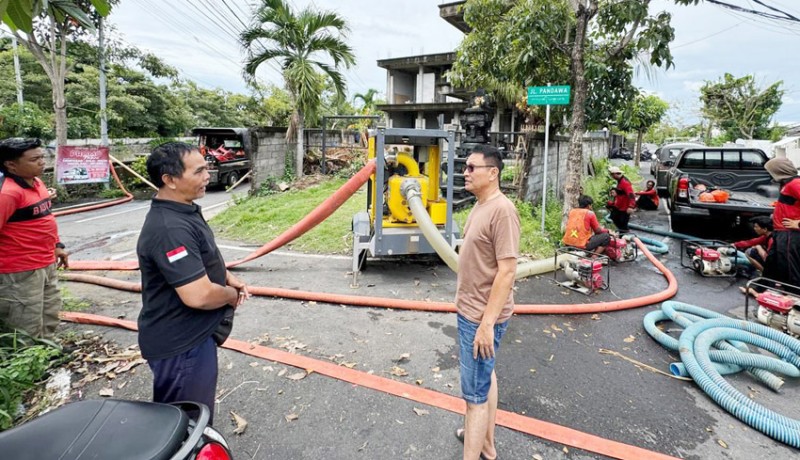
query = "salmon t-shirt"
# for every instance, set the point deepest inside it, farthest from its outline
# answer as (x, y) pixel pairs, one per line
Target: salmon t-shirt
(491, 234)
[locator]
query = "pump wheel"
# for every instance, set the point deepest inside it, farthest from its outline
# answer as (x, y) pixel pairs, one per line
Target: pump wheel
(233, 177)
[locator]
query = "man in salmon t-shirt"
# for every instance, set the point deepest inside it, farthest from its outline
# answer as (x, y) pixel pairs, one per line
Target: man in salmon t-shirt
(484, 297)
(31, 249)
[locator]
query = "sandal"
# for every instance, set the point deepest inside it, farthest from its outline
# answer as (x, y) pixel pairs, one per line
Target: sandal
(460, 436)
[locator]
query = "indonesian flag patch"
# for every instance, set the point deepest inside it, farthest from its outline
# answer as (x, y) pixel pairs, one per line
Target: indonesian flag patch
(177, 254)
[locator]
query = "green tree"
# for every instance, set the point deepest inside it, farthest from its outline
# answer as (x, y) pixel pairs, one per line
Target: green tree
(277, 105)
(590, 44)
(57, 23)
(31, 121)
(297, 41)
(739, 107)
(639, 115)
(20, 14)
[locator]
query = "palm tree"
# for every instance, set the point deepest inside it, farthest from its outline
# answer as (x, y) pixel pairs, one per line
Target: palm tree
(297, 41)
(368, 99)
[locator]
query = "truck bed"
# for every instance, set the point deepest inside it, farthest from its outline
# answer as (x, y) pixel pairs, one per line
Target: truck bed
(750, 202)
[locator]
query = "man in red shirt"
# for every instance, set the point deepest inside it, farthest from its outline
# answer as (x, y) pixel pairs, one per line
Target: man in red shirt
(648, 198)
(623, 201)
(783, 256)
(756, 248)
(31, 249)
(583, 230)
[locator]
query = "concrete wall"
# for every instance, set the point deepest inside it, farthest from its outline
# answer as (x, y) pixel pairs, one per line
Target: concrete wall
(270, 154)
(556, 163)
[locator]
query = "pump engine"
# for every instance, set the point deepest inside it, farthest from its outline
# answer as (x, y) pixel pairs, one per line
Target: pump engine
(709, 258)
(622, 249)
(581, 273)
(779, 311)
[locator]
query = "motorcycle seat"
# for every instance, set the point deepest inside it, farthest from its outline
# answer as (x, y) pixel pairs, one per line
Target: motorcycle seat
(99, 429)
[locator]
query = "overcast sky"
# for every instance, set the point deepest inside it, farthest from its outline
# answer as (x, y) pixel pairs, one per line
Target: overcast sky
(198, 37)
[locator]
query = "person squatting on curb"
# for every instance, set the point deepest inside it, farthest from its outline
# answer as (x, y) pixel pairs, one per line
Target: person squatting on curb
(188, 296)
(484, 296)
(30, 249)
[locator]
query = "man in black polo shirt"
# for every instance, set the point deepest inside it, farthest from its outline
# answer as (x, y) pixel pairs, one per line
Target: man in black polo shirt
(187, 292)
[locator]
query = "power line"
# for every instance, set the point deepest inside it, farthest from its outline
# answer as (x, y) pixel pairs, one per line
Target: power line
(782, 15)
(707, 36)
(225, 2)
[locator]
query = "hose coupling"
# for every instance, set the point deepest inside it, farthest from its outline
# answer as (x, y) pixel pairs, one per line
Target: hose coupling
(409, 188)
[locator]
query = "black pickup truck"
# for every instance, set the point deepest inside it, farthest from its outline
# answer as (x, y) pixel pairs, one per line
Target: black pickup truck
(738, 171)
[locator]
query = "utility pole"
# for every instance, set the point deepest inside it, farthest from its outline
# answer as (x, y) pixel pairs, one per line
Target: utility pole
(17, 73)
(103, 114)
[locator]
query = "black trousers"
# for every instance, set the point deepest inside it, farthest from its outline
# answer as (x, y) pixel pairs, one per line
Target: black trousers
(620, 219)
(646, 203)
(783, 258)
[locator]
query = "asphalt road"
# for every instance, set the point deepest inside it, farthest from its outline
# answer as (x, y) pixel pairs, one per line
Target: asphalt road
(549, 367)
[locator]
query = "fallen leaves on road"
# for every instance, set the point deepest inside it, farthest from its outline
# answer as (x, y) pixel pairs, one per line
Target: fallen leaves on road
(402, 358)
(106, 392)
(398, 371)
(421, 412)
(629, 339)
(297, 376)
(291, 417)
(722, 443)
(240, 422)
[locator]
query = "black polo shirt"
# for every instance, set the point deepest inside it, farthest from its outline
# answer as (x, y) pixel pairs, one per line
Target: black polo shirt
(176, 246)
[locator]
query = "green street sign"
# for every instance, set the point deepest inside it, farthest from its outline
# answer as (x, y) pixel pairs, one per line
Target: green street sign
(548, 95)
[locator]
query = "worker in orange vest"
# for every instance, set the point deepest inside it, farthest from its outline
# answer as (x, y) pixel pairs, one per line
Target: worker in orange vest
(583, 230)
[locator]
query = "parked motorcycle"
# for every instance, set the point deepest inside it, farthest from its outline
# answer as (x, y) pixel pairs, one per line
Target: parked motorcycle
(119, 430)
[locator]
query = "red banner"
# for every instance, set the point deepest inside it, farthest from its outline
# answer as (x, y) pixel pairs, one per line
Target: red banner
(82, 165)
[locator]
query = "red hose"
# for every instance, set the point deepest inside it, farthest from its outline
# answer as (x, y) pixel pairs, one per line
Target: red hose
(320, 213)
(545, 430)
(402, 304)
(89, 207)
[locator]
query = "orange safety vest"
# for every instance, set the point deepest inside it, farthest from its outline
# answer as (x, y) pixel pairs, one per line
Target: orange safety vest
(577, 232)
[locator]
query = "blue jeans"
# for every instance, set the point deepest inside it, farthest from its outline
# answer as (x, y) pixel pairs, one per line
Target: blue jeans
(476, 374)
(189, 376)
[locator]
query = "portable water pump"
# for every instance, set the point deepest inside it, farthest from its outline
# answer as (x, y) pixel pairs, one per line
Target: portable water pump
(622, 249)
(579, 272)
(709, 258)
(778, 308)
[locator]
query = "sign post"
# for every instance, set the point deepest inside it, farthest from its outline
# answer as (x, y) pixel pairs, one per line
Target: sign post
(547, 95)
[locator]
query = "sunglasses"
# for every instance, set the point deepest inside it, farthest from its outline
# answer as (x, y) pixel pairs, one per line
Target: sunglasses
(472, 168)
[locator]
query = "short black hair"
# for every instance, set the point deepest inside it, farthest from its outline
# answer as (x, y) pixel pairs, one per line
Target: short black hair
(14, 147)
(167, 158)
(585, 200)
(491, 154)
(763, 222)
(651, 181)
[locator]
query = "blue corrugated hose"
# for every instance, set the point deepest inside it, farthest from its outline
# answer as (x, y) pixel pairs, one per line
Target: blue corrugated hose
(706, 330)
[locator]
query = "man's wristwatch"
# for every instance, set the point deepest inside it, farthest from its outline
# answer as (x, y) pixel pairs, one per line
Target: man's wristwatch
(60, 245)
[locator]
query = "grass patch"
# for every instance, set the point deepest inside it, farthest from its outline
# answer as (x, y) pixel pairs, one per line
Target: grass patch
(24, 361)
(72, 303)
(261, 219)
(532, 242)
